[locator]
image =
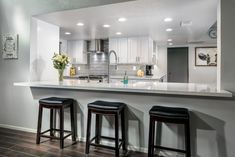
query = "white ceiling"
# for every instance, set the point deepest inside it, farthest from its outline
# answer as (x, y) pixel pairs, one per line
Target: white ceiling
(144, 17)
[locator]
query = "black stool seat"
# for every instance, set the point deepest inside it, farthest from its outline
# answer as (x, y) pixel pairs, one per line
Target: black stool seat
(105, 105)
(56, 100)
(169, 112)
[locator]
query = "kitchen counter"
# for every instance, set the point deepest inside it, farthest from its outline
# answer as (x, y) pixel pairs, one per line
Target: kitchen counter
(119, 77)
(151, 78)
(185, 89)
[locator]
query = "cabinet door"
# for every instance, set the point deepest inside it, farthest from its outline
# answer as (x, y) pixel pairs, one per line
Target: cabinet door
(122, 50)
(144, 50)
(76, 51)
(72, 49)
(152, 52)
(113, 45)
(133, 48)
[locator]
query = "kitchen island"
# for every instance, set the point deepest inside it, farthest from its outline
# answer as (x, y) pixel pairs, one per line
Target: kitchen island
(186, 89)
(206, 103)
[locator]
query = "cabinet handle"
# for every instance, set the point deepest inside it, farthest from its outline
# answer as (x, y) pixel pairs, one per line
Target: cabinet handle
(118, 59)
(136, 59)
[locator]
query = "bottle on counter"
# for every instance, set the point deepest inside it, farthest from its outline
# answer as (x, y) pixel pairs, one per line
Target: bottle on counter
(125, 78)
(72, 71)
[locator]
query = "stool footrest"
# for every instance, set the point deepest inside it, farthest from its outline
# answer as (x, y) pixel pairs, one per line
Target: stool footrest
(54, 137)
(105, 146)
(66, 131)
(102, 146)
(48, 136)
(171, 149)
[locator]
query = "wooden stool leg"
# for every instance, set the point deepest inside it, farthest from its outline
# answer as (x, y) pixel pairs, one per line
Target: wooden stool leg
(72, 117)
(39, 124)
(158, 135)
(98, 128)
(123, 125)
(187, 139)
(117, 135)
(151, 137)
(88, 132)
(62, 127)
(51, 122)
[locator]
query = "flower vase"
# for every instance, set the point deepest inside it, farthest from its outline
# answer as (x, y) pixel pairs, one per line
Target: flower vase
(61, 74)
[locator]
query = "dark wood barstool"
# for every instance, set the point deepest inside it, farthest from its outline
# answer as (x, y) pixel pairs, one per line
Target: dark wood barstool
(55, 103)
(100, 108)
(169, 115)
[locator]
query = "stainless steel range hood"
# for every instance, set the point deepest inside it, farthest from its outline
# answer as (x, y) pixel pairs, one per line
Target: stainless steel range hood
(96, 45)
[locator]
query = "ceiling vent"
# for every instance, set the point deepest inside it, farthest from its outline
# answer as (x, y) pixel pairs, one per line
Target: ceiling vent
(196, 42)
(185, 23)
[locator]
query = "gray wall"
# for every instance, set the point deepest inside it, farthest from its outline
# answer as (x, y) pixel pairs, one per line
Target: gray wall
(213, 119)
(15, 17)
(227, 45)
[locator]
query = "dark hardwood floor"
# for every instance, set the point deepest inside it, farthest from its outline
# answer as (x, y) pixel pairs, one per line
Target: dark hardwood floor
(22, 144)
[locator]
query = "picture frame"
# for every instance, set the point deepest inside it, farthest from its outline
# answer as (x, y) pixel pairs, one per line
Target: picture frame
(10, 46)
(206, 56)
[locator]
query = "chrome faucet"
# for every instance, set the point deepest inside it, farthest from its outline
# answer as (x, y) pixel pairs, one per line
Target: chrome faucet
(115, 54)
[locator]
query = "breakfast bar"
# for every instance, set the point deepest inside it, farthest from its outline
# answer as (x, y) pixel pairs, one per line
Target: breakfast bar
(117, 78)
(182, 89)
(200, 99)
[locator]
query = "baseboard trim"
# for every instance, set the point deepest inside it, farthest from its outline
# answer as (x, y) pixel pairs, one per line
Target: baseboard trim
(82, 139)
(18, 128)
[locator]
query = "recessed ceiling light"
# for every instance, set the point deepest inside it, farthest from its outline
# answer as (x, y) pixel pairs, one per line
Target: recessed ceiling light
(169, 40)
(80, 24)
(122, 19)
(185, 23)
(170, 44)
(119, 33)
(169, 29)
(67, 33)
(106, 26)
(168, 19)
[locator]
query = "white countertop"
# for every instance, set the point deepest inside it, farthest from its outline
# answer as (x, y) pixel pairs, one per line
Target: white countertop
(155, 78)
(188, 89)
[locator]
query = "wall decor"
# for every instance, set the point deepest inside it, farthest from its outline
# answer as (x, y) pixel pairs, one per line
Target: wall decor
(10, 46)
(206, 56)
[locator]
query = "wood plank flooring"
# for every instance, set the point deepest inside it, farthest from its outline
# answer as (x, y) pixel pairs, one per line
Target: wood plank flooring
(22, 144)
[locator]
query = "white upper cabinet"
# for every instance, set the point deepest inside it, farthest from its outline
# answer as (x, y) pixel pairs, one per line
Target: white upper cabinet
(140, 50)
(113, 45)
(122, 50)
(132, 50)
(77, 51)
(119, 45)
(144, 50)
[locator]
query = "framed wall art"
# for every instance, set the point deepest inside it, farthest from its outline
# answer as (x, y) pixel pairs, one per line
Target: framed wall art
(206, 56)
(10, 46)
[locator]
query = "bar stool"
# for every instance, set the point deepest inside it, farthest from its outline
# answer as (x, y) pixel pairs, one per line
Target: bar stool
(55, 103)
(100, 108)
(169, 115)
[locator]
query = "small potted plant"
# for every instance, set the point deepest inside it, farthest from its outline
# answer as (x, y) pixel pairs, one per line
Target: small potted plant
(60, 61)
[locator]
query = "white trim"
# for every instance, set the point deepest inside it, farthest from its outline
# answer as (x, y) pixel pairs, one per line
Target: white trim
(82, 139)
(18, 128)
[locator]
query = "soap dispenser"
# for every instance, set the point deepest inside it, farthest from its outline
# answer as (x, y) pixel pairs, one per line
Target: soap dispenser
(125, 78)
